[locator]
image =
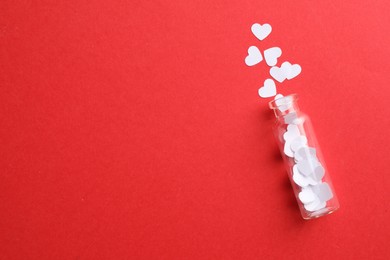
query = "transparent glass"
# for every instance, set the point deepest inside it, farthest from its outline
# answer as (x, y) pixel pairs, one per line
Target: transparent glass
(303, 159)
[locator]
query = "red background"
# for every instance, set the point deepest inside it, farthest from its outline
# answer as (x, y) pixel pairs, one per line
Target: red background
(133, 129)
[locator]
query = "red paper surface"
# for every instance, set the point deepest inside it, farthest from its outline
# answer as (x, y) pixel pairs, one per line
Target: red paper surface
(133, 129)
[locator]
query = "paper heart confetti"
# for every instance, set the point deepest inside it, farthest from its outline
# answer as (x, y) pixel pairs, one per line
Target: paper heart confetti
(305, 153)
(278, 96)
(254, 56)
(302, 180)
(298, 142)
(261, 31)
(298, 178)
(291, 133)
(291, 118)
(285, 71)
(314, 205)
(323, 191)
(271, 56)
(311, 200)
(306, 167)
(287, 149)
(282, 104)
(307, 195)
(318, 173)
(307, 172)
(278, 74)
(314, 197)
(268, 90)
(291, 71)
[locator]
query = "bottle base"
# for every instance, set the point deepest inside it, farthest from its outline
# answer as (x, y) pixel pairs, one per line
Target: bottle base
(320, 213)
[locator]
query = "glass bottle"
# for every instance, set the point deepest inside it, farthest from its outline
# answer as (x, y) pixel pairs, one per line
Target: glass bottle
(301, 154)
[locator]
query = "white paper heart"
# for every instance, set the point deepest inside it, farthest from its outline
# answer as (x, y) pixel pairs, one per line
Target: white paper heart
(306, 195)
(278, 96)
(287, 149)
(311, 181)
(271, 56)
(301, 179)
(281, 103)
(277, 73)
(261, 31)
(254, 56)
(289, 136)
(291, 118)
(298, 142)
(305, 153)
(293, 71)
(286, 68)
(320, 206)
(312, 206)
(268, 90)
(305, 167)
(319, 172)
(290, 71)
(298, 178)
(323, 191)
(291, 133)
(285, 71)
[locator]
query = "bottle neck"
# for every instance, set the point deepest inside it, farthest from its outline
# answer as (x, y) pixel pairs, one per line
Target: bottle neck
(285, 107)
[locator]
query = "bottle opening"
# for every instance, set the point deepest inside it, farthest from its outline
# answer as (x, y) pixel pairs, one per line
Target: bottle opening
(284, 105)
(283, 102)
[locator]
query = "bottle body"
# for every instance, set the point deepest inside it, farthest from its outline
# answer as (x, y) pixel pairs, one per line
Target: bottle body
(303, 159)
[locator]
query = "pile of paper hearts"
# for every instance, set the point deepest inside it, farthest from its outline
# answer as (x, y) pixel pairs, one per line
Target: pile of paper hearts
(307, 171)
(271, 56)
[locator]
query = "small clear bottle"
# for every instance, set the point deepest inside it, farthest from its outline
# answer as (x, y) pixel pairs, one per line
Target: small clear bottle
(305, 165)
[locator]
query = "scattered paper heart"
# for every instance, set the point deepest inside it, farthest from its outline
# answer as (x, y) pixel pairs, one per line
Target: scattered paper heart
(261, 31)
(268, 90)
(271, 56)
(277, 73)
(291, 70)
(285, 71)
(254, 56)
